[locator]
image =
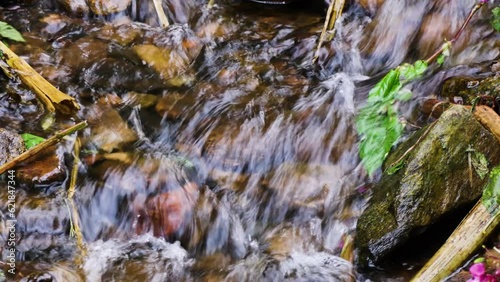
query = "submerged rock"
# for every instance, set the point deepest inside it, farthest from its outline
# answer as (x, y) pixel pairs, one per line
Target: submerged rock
(109, 130)
(433, 180)
(45, 168)
(171, 55)
(41, 228)
(11, 145)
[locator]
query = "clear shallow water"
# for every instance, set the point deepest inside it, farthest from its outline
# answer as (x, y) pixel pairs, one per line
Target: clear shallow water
(247, 172)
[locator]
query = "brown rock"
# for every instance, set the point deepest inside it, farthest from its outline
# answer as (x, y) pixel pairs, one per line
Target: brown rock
(172, 105)
(106, 7)
(140, 99)
(54, 23)
(169, 64)
(108, 130)
(82, 53)
(123, 35)
(78, 7)
(167, 212)
(371, 5)
(45, 168)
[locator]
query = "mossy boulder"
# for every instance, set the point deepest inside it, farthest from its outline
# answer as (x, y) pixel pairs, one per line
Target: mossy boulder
(434, 180)
(465, 89)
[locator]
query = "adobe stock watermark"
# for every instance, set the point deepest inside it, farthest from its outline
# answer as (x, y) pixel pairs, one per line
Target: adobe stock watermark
(10, 223)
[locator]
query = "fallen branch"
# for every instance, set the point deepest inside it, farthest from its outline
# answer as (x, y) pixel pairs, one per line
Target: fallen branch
(467, 238)
(42, 146)
(50, 96)
(489, 119)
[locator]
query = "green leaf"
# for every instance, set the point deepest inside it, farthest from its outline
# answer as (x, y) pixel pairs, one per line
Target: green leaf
(420, 67)
(440, 59)
(9, 32)
(31, 140)
(491, 194)
(404, 95)
(479, 260)
(385, 89)
(480, 164)
(377, 122)
(411, 72)
(495, 21)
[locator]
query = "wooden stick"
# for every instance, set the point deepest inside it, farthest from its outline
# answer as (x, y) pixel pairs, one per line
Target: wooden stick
(489, 119)
(161, 14)
(74, 170)
(42, 146)
(468, 237)
(333, 13)
(50, 96)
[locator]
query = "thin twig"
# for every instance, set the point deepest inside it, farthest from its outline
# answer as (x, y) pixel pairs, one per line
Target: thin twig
(457, 35)
(42, 146)
(74, 171)
(469, 151)
(75, 230)
(161, 14)
(332, 15)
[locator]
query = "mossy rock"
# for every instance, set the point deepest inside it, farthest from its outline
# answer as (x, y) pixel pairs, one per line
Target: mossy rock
(469, 88)
(433, 181)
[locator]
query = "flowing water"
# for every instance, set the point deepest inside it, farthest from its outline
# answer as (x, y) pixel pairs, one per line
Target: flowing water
(247, 171)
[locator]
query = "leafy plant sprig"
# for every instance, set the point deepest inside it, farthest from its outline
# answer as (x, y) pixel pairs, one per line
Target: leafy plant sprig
(9, 32)
(378, 121)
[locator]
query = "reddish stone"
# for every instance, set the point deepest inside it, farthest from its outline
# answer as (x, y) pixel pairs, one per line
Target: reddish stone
(168, 212)
(45, 168)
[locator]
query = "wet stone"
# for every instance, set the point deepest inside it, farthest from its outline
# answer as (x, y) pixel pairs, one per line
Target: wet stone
(106, 7)
(466, 89)
(170, 65)
(42, 224)
(172, 105)
(11, 145)
(46, 168)
(123, 35)
(140, 99)
(170, 55)
(82, 53)
(432, 182)
(78, 7)
(45, 272)
(55, 23)
(108, 129)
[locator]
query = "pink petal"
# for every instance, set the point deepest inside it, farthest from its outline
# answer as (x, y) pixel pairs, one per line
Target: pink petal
(477, 270)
